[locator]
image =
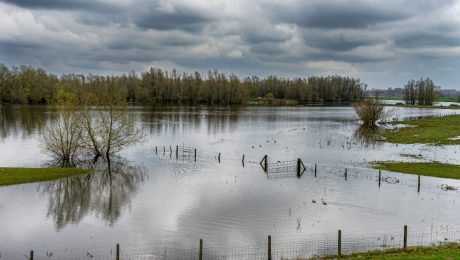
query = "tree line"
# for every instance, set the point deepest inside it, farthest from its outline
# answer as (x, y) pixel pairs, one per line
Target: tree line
(421, 92)
(29, 85)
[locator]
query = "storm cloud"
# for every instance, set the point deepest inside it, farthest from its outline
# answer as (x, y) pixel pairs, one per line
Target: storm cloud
(383, 42)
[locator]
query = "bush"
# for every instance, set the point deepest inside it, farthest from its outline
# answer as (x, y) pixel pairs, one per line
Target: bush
(371, 111)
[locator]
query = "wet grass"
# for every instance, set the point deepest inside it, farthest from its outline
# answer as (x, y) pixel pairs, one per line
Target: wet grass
(440, 131)
(452, 106)
(447, 251)
(434, 169)
(12, 176)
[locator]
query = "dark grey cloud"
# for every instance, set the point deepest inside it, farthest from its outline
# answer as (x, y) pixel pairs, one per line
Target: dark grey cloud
(87, 5)
(371, 39)
(171, 17)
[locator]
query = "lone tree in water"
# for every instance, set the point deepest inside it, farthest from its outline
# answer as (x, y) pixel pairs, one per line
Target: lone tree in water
(371, 111)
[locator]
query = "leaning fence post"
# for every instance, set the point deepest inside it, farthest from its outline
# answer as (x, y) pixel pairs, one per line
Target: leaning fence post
(339, 243)
(269, 247)
(298, 167)
(201, 249)
(118, 252)
(405, 236)
(31, 256)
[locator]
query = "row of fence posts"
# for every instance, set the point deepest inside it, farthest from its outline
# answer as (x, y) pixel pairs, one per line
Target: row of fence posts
(264, 164)
(269, 246)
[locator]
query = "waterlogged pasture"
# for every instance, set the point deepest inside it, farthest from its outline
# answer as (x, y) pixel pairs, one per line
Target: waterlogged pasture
(148, 199)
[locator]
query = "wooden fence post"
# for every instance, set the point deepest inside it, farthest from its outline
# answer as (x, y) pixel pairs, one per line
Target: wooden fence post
(201, 249)
(177, 151)
(339, 243)
(380, 177)
(315, 170)
(156, 150)
(218, 157)
(195, 154)
(31, 256)
(346, 173)
(269, 247)
(242, 160)
(118, 252)
(418, 184)
(405, 236)
(298, 167)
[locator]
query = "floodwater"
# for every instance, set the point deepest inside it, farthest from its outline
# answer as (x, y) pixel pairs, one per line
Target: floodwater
(151, 199)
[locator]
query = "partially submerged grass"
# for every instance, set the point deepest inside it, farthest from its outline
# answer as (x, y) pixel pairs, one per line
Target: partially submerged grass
(446, 251)
(441, 130)
(434, 169)
(451, 106)
(12, 176)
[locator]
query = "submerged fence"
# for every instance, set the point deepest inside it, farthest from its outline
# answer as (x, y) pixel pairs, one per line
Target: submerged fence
(343, 243)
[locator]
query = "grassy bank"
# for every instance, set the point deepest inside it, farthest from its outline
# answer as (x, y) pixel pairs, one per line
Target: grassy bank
(448, 251)
(440, 130)
(12, 176)
(441, 99)
(453, 106)
(434, 169)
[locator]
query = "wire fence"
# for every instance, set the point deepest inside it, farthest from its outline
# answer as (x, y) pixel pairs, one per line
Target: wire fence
(342, 244)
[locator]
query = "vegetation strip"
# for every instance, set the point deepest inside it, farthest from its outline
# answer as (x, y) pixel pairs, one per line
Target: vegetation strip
(441, 130)
(446, 251)
(434, 169)
(12, 176)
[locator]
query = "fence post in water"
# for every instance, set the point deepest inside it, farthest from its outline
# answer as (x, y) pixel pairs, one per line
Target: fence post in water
(418, 185)
(218, 157)
(269, 247)
(195, 154)
(31, 256)
(118, 252)
(164, 150)
(265, 161)
(380, 177)
(346, 172)
(201, 250)
(177, 151)
(298, 167)
(156, 150)
(242, 160)
(315, 170)
(339, 243)
(405, 236)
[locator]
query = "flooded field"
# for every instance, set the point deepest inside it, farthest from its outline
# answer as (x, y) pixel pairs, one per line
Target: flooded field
(148, 198)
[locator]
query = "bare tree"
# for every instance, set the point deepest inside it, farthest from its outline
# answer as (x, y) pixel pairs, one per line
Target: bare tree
(62, 139)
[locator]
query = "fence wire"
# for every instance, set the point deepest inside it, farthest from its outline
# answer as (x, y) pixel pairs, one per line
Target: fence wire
(350, 243)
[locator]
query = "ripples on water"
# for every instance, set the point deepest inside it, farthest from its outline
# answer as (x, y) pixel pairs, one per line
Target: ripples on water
(151, 200)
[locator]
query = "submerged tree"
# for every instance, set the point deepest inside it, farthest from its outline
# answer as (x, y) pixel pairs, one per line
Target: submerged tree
(371, 111)
(62, 139)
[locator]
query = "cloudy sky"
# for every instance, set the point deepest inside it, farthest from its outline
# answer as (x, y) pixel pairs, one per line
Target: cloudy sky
(384, 42)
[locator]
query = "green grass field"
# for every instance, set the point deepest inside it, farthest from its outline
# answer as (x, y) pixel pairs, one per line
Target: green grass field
(439, 131)
(444, 252)
(12, 176)
(434, 169)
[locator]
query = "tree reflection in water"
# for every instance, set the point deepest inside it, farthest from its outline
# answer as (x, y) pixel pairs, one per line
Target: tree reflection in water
(105, 193)
(368, 135)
